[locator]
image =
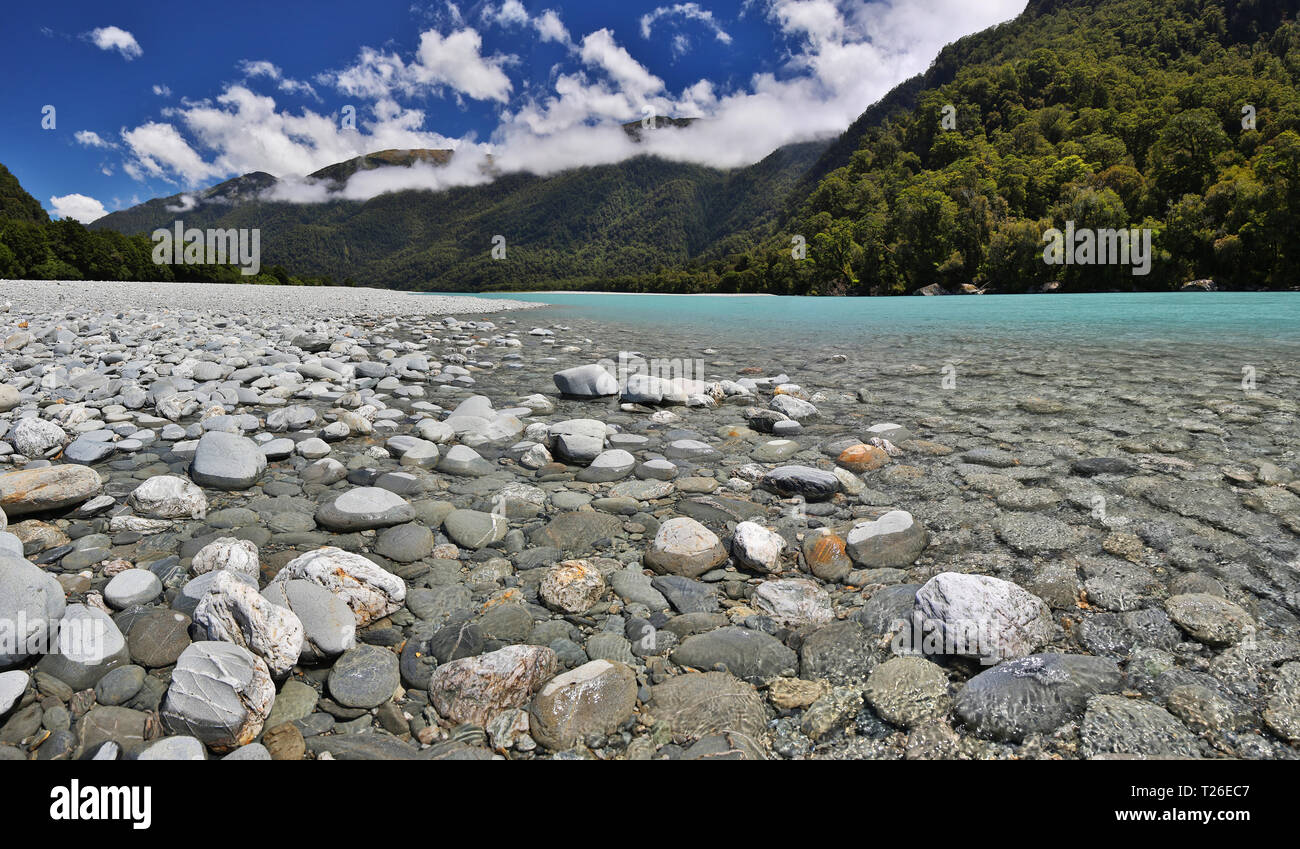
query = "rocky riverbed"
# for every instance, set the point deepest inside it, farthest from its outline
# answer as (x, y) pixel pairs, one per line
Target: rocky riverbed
(339, 524)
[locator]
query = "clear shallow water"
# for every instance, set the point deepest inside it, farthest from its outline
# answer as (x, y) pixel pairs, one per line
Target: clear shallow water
(1228, 319)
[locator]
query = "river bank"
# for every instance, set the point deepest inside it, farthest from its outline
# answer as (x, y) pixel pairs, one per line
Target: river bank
(402, 534)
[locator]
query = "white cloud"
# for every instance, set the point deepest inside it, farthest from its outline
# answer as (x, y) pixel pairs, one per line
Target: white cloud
(512, 14)
(77, 207)
(839, 57)
(162, 91)
(252, 69)
(454, 61)
(184, 204)
(159, 150)
(600, 50)
(509, 13)
(686, 11)
(259, 68)
(550, 28)
(115, 38)
(90, 138)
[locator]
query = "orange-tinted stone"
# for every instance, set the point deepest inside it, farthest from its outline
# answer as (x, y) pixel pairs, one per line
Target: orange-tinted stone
(862, 458)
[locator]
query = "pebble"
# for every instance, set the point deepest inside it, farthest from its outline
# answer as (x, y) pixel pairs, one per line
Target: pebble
(134, 586)
(364, 677)
(684, 547)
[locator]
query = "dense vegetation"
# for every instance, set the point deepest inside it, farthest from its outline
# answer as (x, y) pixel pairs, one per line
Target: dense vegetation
(1110, 114)
(34, 248)
(1105, 113)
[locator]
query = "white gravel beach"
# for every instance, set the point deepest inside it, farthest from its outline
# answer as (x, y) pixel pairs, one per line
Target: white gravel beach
(39, 296)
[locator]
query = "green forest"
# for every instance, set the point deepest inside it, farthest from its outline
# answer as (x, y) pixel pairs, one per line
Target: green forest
(32, 247)
(1178, 116)
(1181, 117)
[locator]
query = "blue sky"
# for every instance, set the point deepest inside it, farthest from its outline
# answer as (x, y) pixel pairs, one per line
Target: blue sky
(152, 98)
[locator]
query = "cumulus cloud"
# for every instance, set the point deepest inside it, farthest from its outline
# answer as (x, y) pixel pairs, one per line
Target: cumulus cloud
(254, 68)
(512, 14)
(685, 11)
(77, 207)
(550, 28)
(90, 138)
(509, 13)
(454, 61)
(162, 90)
(159, 150)
(838, 57)
(116, 38)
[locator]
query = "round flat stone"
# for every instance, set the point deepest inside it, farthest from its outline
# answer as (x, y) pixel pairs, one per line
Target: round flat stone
(364, 677)
(133, 586)
(363, 508)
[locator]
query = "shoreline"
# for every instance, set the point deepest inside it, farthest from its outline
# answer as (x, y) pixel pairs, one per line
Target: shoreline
(298, 302)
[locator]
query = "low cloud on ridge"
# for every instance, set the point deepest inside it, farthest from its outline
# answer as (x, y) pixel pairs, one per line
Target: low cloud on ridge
(840, 57)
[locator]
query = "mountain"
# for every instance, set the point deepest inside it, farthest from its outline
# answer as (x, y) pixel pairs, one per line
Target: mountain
(15, 203)
(1177, 117)
(643, 214)
(339, 173)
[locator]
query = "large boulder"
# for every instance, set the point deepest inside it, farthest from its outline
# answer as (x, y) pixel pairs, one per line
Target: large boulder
(683, 546)
(220, 693)
(31, 605)
(329, 627)
(743, 652)
(90, 644)
(32, 437)
(893, 541)
(474, 528)
(757, 547)
(168, 497)
(812, 484)
(980, 617)
(608, 466)
(590, 381)
(227, 554)
(702, 706)
(131, 587)
(234, 612)
(906, 691)
(474, 689)
(1035, 694)
(578, 440)
(364, 508)
(1209, 619)
(364, 677)
(47, 488)
(226, 461)
(573, 586)
(370, 591)
(794, 602)
(595, 699)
